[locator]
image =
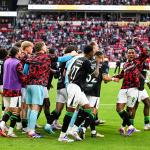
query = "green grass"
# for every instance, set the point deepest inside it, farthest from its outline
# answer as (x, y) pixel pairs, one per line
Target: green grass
(111, 141)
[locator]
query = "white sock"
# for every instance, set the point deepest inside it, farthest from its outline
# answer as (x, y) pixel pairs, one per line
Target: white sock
(147, 124)
(62, 134)
(122, 127)
(19, 124)
(10, 130)
(74, 128)
(84, 129)
(2, 124)
(130, 127)
(3, 112)
(93, 131)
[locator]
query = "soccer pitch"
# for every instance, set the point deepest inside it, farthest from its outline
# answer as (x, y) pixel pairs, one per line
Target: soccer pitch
(111, 141)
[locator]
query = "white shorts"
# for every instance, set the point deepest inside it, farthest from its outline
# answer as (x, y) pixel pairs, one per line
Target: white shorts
(61, 96)
(23, 93)
(142, 95)
(76, 96)
(128, 96)
(94, 101)
(12, 102)
(46, 94)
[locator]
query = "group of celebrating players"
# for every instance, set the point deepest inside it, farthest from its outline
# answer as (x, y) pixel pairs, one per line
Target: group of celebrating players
(26, 76)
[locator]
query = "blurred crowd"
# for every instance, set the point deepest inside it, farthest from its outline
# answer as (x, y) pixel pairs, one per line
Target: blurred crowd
(92, 2)
(112, 38)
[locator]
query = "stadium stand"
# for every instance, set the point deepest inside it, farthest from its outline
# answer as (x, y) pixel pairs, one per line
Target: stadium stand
(22, 2)
(66, 2)
(6, 5)
(91, 2)
(111, 37)
(59, 29)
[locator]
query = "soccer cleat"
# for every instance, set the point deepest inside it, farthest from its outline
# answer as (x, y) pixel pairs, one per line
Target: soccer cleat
(97, 135)
(65, 139)
(56, 125)
(136, 130)
(102, 121)
(122, 131)
(38, 126)
(2, 133)
(97, 122)
(130, 131)
(81, 133)
(48, 129)
(75, 135)
(147, 127)
(13, 135)
(34, 135)
(24, 130)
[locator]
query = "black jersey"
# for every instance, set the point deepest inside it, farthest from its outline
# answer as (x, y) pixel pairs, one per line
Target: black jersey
(93, 85)
(1, 71)
(79, 72)
(142, 77)
(61, 79)
(55, 67)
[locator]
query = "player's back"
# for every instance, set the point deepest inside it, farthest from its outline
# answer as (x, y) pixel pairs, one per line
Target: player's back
(79, 71)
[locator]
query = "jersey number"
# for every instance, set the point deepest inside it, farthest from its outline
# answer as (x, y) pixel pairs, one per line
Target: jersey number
(74, 72)
(90, 79)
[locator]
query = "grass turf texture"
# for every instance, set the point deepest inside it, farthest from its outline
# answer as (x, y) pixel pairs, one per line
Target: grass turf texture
(112, 139)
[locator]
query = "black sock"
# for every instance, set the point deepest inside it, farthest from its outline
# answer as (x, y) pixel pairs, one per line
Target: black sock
(54, 116)
(24, 123)
(13, 120)
(92, 124)
(89, 118)
(96, 116)
(58, 115)
(39, 114)
(125, 117)
(46, 105)
(66, 121)
(146, 120)
(48, 117)
(3, 108)
(6, 116)
(19, 119)
(80, 118)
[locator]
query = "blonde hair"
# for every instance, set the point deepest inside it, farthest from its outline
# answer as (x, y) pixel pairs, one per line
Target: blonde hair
(26, 44)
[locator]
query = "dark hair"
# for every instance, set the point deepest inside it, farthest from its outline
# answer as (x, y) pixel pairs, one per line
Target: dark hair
(88, 49)
(131, 48)
(3, 53)
(13, 51)
(38, 46)
(79, 51)
(51, 51)
(69, 49)
(18, 44)
(99, 53)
